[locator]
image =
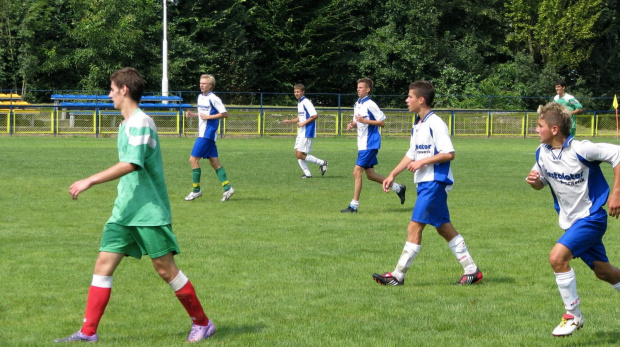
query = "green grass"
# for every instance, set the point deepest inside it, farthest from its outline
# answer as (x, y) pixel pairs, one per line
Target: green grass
(278, 264)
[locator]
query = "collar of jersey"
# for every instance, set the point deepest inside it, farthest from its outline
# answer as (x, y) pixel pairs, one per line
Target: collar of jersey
(417, 117)
(361, 101)
(302, 98)
(567, 143)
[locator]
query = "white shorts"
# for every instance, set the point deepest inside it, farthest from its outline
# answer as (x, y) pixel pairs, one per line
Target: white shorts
(304, 144)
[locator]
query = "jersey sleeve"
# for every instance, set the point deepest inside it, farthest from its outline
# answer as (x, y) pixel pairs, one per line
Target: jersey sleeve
(218, 105)
(598, 152)
(441, 136)
(374, 109)
(538, 167)
(310, 108)
(140, 141)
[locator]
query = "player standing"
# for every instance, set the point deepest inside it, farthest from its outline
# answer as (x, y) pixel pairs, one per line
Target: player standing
(368, 118)
(572, 171)
(569, 101)
(306, 132)
(429, 157)
(140, 222)
(210, 111)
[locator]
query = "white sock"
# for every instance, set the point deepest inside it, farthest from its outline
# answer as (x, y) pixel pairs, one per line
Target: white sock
(396, 187)
(304, 167)
(567, 284)
(355, 203)
(179, 281)
(410, 251)
(314, 159)
(459, 249)
(616, 286)
(101, 281)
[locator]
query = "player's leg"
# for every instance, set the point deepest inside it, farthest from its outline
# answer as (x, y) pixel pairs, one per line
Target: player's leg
(408, 255)
(301, 160)
(312, 159)
(212, 155)
(560, 258)
(161, 244)
(398, 188)
(358, 171)
(116, 242)
(194, 161)
(456, 242)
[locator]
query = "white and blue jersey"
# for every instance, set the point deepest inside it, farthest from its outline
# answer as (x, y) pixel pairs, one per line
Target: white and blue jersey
(428, 138)
(368, 136)
(574, 175)
(305, 109)
(209, 104)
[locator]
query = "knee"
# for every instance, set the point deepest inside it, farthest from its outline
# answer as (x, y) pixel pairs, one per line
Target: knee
(558, 264)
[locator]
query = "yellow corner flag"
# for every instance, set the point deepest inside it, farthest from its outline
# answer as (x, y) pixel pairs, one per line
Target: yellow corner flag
(615, 104)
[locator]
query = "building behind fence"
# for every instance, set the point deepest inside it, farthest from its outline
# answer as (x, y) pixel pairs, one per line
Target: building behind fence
(255, 118)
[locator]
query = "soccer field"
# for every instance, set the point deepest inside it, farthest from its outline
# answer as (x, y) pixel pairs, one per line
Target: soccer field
(279, 265)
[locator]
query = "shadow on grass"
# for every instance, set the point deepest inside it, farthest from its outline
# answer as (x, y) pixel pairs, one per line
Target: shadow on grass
(605, 338)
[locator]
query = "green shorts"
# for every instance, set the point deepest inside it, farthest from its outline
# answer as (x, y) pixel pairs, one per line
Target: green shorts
(135, 241)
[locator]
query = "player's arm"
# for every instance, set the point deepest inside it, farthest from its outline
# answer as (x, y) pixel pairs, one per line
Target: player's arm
(308, 121)
(189, 114)
(379, 123)
(614, 197)
(205, 116)
(389, 180)
(436, 159)
(120, 169)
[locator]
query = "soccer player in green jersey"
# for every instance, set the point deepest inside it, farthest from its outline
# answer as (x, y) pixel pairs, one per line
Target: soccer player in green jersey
(140, 223)
(563, 98)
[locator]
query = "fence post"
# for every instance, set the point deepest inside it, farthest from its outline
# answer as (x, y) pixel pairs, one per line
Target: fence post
(262, 116)
(339, 117)
(97, 121)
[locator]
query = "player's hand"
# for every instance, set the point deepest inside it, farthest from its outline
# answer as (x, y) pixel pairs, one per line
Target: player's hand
(299, 125)
(614, 205)
(359, 119)
(387, 183)
(351, 125)
(414, 166)
(533, 177)
(79, 186)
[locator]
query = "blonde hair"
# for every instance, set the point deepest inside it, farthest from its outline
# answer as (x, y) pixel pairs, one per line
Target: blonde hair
(556, 115)
(209, 78)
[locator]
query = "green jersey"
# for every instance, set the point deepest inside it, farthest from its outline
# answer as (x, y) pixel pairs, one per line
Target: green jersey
(142, 194)
(572, 104)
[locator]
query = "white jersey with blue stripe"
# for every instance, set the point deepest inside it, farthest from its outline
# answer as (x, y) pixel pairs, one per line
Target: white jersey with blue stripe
(368, 136)
(574, 175)
(209, 104)
(305, 109)
(428, 138)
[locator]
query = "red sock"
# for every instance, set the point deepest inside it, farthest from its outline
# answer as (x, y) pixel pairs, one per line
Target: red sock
(97, 301)
(187, 296)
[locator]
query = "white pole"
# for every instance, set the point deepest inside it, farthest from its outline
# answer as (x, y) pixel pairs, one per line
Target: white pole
(164, 77)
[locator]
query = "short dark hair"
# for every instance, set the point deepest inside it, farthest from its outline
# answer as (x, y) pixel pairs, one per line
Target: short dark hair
(366, 81)
(424, 89)
(131, 78)
(561, 82)
(556, 114)
(300, 87)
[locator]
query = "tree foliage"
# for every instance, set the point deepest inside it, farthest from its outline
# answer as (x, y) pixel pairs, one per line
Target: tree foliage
(486, 47)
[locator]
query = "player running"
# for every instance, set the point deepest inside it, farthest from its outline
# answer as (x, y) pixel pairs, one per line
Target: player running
(367, 118)
(572, 171)
(210, 111)
(306, 132)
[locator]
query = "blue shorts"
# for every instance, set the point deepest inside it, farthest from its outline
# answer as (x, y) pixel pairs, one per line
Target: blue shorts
(204, 148)
(431, 206)
(585, 238)
(367, 158)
